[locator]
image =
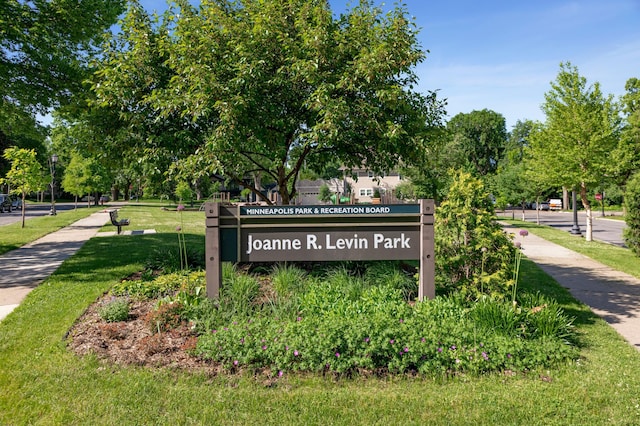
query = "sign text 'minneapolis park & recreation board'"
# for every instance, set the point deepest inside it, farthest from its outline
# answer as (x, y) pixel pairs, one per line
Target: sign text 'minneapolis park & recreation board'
(320, 234)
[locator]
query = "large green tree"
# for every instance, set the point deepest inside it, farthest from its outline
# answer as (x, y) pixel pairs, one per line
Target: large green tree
(626, 156)
(259, 88)
(581, 130)
(477, 141)
(44, 46)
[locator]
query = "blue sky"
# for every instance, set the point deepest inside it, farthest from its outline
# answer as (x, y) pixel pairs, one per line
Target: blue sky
(503, 55)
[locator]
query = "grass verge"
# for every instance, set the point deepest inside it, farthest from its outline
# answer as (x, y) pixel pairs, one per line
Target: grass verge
(42, 382)
(14, 236)
(618, 258)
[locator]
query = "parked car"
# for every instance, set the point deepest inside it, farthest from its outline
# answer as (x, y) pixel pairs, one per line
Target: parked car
(16, 203)
(544, 206)
(5, 203)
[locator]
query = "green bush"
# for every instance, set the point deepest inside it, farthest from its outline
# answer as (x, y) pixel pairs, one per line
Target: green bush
(473, 254)
(348, 323)
(161, 286)
(115, 310)
(632, 215)
(168, 260)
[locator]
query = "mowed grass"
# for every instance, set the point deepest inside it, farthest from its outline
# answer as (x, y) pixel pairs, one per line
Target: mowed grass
(14, 235)
(616, 257)
(41, 382)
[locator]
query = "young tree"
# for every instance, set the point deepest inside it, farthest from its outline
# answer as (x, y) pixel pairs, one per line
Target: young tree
(511, 183)
(632, 216)
(76, 177)
(579, 134)
(626, 156)
(25, 175)
(261, 87)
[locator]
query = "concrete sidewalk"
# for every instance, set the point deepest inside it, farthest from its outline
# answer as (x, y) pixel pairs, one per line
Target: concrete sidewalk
(25, 268)
(612, 295)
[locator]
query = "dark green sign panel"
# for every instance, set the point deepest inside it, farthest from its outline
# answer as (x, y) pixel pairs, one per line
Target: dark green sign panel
(338, 210)
(320, 233)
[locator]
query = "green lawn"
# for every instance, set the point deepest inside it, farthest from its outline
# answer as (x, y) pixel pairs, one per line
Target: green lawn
(14, 236)
(616, 257)
(43, 383)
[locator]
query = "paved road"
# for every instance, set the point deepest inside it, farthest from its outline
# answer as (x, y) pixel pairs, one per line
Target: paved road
(604, 229)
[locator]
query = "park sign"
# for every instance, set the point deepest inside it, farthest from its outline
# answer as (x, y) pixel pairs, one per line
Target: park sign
(320, 234)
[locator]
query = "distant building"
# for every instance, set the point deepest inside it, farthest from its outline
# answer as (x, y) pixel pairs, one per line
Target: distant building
(363, 184)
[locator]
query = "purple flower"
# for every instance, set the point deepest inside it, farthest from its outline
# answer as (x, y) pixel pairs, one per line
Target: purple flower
(524, 232)
(391, 341)
(518, 244)
(453, 348)
(299, 319)
(485, 356)
(264, 347)
(214, 331)
(286, 348)
(439, 349)
(401, 321)
(509, 356)
(337, 354)
(178, 228)
(235, 362)
(406, 349)
(180, 207)
(423, 340)
(366, 340)
(280, 373)
(295, 353)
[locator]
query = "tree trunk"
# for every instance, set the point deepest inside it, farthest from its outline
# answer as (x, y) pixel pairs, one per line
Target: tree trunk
(587, 208)
(565, 199)
(23, 206)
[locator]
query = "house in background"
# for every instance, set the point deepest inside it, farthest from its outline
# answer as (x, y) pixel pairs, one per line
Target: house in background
(363, 184)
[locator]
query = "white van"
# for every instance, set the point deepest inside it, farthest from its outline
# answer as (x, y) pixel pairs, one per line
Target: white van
(555, 204)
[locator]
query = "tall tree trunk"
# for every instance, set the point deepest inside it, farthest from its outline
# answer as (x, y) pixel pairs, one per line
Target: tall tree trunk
(587, 208)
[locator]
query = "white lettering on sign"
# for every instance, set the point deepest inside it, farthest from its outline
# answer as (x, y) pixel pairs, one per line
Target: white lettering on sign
(377, 241)
(269, 244)
(401, 242)
(347, 243)
(311, 242)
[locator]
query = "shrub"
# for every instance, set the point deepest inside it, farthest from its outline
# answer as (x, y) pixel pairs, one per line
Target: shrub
(161, 286)
(632, 214)
(473, 254)
(115, 310)
(168, 259)
(287, 280)
(382, 339)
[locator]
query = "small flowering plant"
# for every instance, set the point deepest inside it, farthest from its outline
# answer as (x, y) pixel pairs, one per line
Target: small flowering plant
(182, 244)
(516, 267)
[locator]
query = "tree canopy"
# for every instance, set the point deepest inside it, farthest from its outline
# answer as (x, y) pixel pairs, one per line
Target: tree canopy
(44, 46)
(263, 88)
(477, 141)
(579, 135)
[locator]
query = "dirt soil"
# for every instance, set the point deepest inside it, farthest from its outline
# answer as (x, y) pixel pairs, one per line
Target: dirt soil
(133, 342)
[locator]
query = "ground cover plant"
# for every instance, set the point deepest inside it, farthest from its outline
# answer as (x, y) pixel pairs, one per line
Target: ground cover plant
(36, 365)
(360, 317)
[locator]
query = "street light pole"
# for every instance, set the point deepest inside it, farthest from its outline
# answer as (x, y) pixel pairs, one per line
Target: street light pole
(52, 164)
(575, 229)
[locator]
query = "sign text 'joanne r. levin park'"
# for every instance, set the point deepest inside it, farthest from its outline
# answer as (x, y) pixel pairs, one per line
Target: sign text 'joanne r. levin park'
(320, 233)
